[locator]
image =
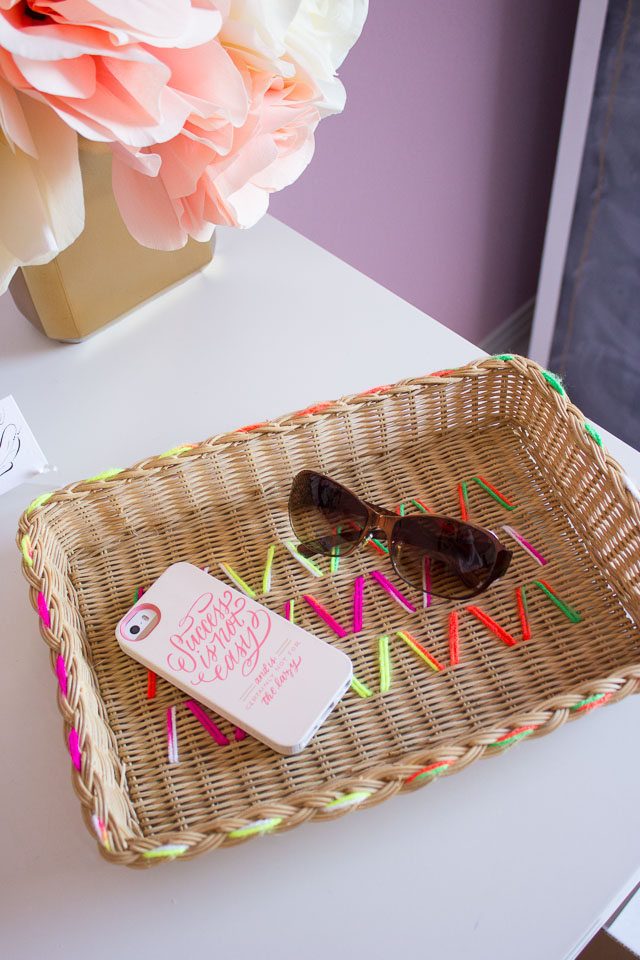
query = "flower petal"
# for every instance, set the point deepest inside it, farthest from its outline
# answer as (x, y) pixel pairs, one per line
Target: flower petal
(146, 208)
(42, 208)
(256, 52)
(68, 78)
(208, 73)
(12, 119)
(248, 205)
(140, 160)
(50, 41)
(256, 156)
(295, 153)
(153, 17)
(183, 163)
(319, 38)
(173, 23)
(131, 104)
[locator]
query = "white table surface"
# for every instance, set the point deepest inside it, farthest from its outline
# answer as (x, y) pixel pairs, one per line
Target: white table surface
(521, 856)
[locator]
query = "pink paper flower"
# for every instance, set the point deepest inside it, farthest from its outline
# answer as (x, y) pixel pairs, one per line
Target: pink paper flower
(89, 67)
(219, 170)
(207, 105)
(95, 63)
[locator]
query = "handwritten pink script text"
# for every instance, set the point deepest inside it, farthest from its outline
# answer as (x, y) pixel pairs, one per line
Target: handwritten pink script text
(216, 637)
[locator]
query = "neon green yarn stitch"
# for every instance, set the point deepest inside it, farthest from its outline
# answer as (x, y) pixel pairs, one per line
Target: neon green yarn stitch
(169, 850)
(554, 381)
(384, 664)
(173, 452)
(25, 546)
(38, 501)
(349, 798)
(512, 739)
(593, 433)
(104, 475)
(568, 611)
(584, 703)
(433, 772)
(360, 688)
(261, 826)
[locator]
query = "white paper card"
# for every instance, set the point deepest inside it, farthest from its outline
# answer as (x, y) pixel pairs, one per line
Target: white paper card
(21, 459)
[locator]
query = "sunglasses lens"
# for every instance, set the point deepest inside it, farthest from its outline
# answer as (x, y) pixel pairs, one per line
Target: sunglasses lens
(325, 516)
(445, 557)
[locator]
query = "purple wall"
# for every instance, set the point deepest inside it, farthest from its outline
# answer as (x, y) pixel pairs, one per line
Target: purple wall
(435, 180)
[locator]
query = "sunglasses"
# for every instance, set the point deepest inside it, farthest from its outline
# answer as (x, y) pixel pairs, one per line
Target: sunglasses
(449, 558)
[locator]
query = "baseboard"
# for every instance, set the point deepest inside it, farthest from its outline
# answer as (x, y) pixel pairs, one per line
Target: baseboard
(512, 336)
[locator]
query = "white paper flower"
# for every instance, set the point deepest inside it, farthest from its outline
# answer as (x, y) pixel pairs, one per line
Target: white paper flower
(42, 208)
(319, 38)
(309, 37)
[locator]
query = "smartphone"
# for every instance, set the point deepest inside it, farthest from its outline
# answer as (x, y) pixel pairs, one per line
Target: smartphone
(261, 672)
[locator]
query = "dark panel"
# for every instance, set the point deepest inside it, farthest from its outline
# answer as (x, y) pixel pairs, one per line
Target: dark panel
(596, 345)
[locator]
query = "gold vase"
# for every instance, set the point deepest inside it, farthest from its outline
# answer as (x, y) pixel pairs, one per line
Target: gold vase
(105, 272)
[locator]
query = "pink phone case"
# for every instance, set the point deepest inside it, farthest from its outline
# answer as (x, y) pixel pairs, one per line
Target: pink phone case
(250, 665)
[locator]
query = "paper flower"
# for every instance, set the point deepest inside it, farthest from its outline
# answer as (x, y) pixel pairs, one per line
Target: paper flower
(94, 63)
(72, 67)
(207, 105)
(219, 170)
(41, 204)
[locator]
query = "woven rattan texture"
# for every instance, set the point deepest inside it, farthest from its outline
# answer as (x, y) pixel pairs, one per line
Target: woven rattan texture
(94, 544)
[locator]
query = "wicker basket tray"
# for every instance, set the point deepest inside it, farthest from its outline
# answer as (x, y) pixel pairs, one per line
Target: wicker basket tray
(88, 548)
